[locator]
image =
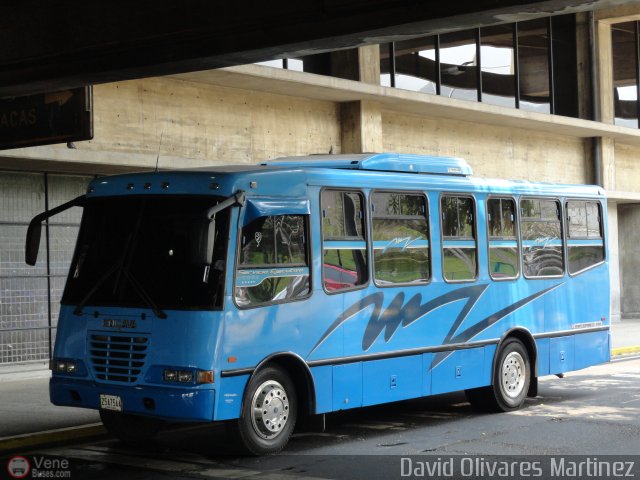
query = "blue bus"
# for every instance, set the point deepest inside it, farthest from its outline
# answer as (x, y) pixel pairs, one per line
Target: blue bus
(267, 295)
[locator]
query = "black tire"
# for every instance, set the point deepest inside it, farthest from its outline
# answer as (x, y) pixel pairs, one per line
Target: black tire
(511, 379)
(130, 428)
(266, 430)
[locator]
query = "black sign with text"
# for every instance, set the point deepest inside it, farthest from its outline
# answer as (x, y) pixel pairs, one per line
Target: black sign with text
(55, 117)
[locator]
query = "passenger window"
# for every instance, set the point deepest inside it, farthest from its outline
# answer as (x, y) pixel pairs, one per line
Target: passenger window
(400, 238)
(459, 246)
(585, 242)
(344, 247)
(542, 242)
(273, 265)
(504, 261)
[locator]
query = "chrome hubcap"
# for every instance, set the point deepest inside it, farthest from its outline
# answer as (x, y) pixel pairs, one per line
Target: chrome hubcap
(270, 409)
(513, 375)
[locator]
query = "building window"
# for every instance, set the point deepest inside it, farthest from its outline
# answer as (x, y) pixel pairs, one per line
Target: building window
(541, 238)
(625, 51)
(400, 238)
(459, 247)
(273, 264)
(344, 245)
(522, 65)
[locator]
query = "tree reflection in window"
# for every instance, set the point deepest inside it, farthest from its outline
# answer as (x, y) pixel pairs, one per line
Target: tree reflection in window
(400, 238)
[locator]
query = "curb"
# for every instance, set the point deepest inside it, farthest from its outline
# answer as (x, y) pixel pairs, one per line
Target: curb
(616, 352)
(49, 437)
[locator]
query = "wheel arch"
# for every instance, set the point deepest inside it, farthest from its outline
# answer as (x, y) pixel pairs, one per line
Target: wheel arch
(529, 343)
(300, 375)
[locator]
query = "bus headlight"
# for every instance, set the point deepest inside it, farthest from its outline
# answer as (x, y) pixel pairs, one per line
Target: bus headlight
(187, 376)
(67, 366)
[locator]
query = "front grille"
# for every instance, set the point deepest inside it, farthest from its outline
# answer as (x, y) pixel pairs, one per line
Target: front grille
(116, 357)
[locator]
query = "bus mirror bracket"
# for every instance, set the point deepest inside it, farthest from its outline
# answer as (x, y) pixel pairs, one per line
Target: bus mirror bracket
(34, 232)
(239, 198)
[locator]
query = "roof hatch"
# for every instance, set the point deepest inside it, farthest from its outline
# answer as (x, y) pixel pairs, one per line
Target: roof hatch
(385, 162)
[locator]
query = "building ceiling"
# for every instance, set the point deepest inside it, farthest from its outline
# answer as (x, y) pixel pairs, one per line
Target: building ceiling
(48, 46)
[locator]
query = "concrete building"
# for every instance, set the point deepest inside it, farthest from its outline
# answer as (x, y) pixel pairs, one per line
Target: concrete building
(553, 99)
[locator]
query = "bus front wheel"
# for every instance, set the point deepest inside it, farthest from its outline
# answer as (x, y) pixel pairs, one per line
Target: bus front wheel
(511, 379)
(269, 411)
(130, 428)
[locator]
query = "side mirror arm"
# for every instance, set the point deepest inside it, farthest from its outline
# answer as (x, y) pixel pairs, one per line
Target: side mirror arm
(34, 232)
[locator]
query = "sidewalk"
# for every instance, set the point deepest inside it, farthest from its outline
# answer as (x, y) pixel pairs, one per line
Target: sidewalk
(25, 411)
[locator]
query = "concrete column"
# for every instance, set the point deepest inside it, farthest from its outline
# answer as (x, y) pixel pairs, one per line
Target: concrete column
(361, 127)
(614, 262)
(605, 73)
(361, 64)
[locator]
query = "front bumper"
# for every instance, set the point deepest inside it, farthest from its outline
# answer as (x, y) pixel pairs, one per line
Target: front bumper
(173, 404)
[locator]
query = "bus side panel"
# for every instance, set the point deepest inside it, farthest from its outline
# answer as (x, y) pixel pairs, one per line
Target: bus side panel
(229, 402)
(347, 386)
(427, 359)
(591, 349)
(323, 381)
(543, 356)
(561, 354)
(391, 379)
(462, 369)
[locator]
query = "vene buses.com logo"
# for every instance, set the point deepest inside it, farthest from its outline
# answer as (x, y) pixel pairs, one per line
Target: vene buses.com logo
(18, 467)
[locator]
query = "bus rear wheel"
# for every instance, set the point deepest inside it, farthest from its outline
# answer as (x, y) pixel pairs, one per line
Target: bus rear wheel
(130, 428)
(269, 411)
(511, 379)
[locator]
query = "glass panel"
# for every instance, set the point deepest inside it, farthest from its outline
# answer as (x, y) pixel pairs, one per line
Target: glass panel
(343, 215)
(594, 220)
(344, 247)
(459, 264)
(458, 65)
(159, 243)
(416, 65)
(503, 262)
(449, 206)
(577, 215)
(274, 240)
(465, 217)
(400, 236)
(498, 67)
(582, 257)
(501, 218)
(533, 55)
(542, 238)
(273, 289)
(625, 82)
(271, 63)
(385, 65)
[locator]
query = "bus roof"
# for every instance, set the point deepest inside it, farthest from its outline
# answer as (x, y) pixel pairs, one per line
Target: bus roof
(372, 170)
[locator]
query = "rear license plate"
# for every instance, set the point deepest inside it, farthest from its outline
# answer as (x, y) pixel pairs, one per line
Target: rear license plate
(110, 402)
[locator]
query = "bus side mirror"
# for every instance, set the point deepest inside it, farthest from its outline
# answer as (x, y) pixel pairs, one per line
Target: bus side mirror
(34, 232)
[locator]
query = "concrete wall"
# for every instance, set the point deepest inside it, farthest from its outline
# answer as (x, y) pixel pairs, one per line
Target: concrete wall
(628, 228)
(209, 124)
(495, 152)
(627, 168)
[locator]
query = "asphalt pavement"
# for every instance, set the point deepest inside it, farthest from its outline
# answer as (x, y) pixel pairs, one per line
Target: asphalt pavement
(28, 419)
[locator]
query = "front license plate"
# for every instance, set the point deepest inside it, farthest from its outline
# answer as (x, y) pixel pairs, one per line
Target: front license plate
(110, 402)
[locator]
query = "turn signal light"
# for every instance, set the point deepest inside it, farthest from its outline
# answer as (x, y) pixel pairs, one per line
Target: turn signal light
(205, 376)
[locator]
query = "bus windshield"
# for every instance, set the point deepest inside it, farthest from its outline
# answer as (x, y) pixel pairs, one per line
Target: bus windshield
(149, 252)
